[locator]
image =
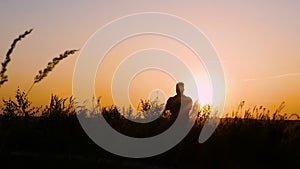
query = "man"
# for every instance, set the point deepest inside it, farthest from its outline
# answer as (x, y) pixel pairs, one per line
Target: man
(178, 103)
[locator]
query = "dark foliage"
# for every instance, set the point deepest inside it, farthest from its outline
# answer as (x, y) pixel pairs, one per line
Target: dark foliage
(56, 139)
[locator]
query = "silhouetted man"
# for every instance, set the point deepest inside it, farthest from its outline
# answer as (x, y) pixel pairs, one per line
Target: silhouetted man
(177, 103)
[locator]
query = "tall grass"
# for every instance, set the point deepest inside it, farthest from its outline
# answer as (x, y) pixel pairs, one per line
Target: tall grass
(50, 66)
(41, 74)
(3, 76)
(260, 113)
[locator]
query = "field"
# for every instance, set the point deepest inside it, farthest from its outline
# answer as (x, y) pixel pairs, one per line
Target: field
(54, 138)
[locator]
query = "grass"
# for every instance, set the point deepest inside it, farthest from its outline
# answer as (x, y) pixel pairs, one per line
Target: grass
(55, 135)
(3, 76)
(42, 73)
(50, 66)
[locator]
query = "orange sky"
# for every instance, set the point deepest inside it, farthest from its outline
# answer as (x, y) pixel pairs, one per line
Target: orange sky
(257, 41)
(149, 80)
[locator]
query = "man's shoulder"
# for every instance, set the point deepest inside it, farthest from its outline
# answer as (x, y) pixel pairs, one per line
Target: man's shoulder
(187, 98)
(172, 98)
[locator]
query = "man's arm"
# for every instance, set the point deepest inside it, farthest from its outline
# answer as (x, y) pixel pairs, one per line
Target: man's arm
(189, 104)
(166, 111)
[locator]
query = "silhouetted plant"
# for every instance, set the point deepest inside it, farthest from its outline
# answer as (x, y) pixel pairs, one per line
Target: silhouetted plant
(127, 112)
(3, 76)
(260, 113)
(43, 73)
(111, 112)
(149, 109)
(201, 113)
(60, 107)
(157, 106)
(276, 115)
(144, 105)
(21, 106)
(294, 115)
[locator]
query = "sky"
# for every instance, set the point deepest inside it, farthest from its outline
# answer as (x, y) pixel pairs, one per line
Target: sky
(257, 43)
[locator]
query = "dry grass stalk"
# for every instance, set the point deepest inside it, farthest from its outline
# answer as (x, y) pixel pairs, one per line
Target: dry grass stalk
(3, 77)
(43, 73)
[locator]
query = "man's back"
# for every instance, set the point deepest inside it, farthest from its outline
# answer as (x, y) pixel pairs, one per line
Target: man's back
(177, 103)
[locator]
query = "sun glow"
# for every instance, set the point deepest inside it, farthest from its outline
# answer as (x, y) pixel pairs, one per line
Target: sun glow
(150, 80)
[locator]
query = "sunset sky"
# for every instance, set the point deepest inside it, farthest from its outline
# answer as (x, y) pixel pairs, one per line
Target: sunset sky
(257, 42)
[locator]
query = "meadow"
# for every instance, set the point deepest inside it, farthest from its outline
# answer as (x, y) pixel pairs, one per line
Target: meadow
(50, 136)
(55, 139)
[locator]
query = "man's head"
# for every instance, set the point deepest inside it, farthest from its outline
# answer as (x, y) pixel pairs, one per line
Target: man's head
(180, 88)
